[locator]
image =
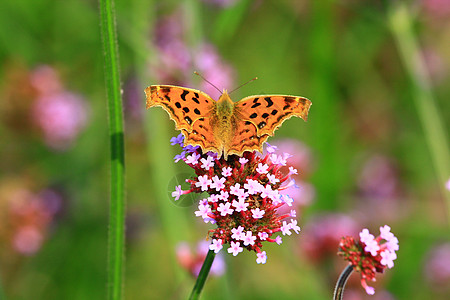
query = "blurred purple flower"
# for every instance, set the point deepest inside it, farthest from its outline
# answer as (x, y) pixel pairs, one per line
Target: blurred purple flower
(380, 190)
(193, 262)
(174, 57)
(212, 67)
(323, 233)
(221, 3)
(61, 117)
(437, 266)
(176, 61)
(379, 178)
(433, 65)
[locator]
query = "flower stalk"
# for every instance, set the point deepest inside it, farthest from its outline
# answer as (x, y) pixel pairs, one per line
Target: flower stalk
(342, 281)
(201, 279)
(117, 182)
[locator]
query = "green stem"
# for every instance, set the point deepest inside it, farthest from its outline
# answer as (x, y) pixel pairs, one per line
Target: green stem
(340, 284)
(400, 22)
(202, 275)
(117, 182)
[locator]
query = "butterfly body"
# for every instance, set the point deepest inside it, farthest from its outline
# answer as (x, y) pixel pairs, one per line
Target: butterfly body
(224, 126)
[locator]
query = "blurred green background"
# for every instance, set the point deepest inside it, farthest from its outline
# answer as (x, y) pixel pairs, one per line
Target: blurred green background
(374, 150)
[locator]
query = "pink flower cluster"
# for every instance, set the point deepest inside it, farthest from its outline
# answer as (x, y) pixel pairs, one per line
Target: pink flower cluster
(370, 254)
(244, 196)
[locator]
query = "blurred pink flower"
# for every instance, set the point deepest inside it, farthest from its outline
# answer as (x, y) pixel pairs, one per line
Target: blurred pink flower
(46, 80)
(27, 240)
(221, 3)
(322, 234)
(381, 191)
(193, 262)
(174, 59)
(176, 62)
(302, 160)
(433, 65)
(353, 294)
(61, 117)
(211, 66)
(379, 178)
(437, 266)
(437, 8)
(25, 215)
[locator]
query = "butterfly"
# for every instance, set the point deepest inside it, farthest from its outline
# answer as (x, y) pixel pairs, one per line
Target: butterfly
(224, 126)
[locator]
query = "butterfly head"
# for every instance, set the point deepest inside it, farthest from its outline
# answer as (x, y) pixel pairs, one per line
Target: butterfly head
(224, 104)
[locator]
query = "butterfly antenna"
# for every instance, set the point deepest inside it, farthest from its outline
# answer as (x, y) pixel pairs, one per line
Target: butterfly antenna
(196, 73)
(243, 84)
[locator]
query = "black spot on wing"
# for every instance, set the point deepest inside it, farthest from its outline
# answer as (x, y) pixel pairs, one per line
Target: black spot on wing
(167, 98)
(253, 115)
(188, 120)
(274, 112)
(265, 115)
(256, 105)
(184, 94)
(196, 111)
(269, 101)
(177, 104)
(261, 125)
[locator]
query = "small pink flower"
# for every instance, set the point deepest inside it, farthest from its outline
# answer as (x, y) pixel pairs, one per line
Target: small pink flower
(203, 182)
(257, 213)
(226, 171)
(225, 209)
(285, 229)
(243, 160)
(249, 239)
(262, 168)
(217, 183)
(261, 257)
(235, 248)
(177, 193)
(238, 233)
(216, 245)
(192, 159)
(240, 205)
(207, 163)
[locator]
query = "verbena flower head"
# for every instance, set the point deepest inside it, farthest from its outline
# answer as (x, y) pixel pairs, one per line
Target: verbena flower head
(244, 196)
(370, 254)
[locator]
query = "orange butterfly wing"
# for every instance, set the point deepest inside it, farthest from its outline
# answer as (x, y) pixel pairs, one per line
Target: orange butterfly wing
(257, 117)
(190, 109)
